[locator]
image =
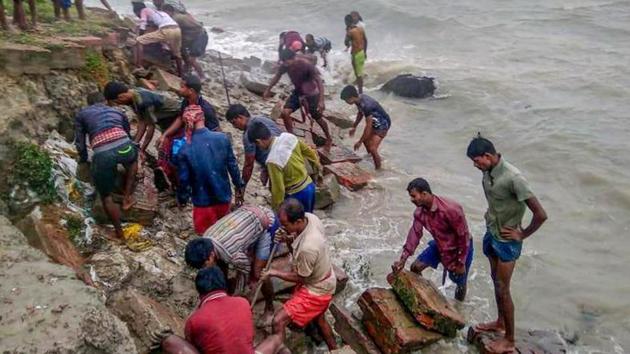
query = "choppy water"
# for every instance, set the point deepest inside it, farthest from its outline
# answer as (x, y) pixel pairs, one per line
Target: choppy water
(547, 81)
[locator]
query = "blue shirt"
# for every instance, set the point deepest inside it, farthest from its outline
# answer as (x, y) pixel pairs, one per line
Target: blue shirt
(210, 118)
(203, 167)
(94, 119)
(155, 107)
(370, 108)
(250, 147)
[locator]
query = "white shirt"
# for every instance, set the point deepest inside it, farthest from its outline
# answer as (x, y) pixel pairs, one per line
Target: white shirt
(158, 18)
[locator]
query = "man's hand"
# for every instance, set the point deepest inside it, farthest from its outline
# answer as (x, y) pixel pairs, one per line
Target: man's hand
(239, 198)
(281, 236)
(321, 106)
(266, 274)
(459, 269)
(398, 266)
(267, 94)
(512, 234)
(352, 131)
(357, 146)
(159, 141)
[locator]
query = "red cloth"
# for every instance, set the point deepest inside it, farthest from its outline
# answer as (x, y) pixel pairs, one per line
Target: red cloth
(108, 136)
(303, 306)
(165, 154)
(221, 324)
(446, 222)
(191, 115)
(204, 217)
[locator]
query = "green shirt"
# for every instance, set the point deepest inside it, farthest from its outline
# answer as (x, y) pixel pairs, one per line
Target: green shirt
(294, 176)
(506, 191)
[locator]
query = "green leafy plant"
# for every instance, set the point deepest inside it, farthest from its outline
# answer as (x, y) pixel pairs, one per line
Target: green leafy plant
(34, 166)
(96, 68)
(74, 225)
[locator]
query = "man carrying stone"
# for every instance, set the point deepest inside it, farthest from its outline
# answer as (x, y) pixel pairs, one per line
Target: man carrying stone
(229, 241)
(194, 38)
(286, 166)
(451, 245)
(312, 272)
(203, 165)
(508, 194)
(111, 143)
(240, 118)
(308, 94)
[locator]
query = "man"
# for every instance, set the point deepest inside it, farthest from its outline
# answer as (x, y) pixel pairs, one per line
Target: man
(451, 245)
(194, 39)
(308, 93)
(168, 33)
(377, 122)
(290, 40)
(108, 129)
(318, 44)
(312, 272)
(203, 165)
(239, 117)
(286, 166)
(151, 107)
(190, 90)
(221, 324)
(228, 243)
(177, 5)
(508, 194)
(355, 37)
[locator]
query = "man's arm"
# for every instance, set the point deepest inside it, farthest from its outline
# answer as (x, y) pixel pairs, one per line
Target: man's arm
(357, 120)
(144, 19)
(457, 220)
(277, 185)
(273, 82)
(79, 138)
(248, 167)
(539, 218)
(125, 124)
(320, 86)
(413, 239)
(367, 132)
(310, 155)
(232, 164)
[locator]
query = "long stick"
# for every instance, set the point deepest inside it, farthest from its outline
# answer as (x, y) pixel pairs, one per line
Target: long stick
(227, 92)
(260, 281)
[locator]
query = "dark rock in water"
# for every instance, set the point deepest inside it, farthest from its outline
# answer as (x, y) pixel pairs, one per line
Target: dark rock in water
(527, 341)
(327, 193)
(352, 331)
(409, 85)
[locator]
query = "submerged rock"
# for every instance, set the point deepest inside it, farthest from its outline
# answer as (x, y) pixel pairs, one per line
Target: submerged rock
(352, 331)
(390, 325)
(409, 85)
(327, 193)
(527, 341)
(337, 154)
(349, 175)
(425, 302)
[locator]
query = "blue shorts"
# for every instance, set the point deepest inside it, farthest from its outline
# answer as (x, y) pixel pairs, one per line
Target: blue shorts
(508, 251)
(431, 257)
(306, 196)
(263, 245)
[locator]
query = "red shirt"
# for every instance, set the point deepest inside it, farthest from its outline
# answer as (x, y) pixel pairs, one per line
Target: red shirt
(447, 224)
(221, 324)
(303, 75)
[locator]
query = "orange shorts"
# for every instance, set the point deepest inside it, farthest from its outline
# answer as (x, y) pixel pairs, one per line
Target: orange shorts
(303, 306)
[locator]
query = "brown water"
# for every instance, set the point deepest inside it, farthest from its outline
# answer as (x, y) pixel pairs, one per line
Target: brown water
(547, 81)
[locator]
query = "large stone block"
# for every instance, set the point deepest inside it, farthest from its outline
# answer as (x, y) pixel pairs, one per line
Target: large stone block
(391, 327)
(166, 81)
(143, 316)
(349, 175)
(21, 59)
(527, 341)
(339, 119)
(327, 193)
(425, 302)
(91, 42)
(352, 331)
(337, 154)
(252, 84)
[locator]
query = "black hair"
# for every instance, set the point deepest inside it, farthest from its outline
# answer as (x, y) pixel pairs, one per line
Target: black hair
(480, 146)
(419, 185)
(94, 98)
(236, 110)
(287, 54)
(309, 36)
(293, 209)
(137, 7)
(258, 131)
(113, 89)
(210, 279)
(349, 92)
(348, 20)
(198, 251)
(168, 8)
(193, 82)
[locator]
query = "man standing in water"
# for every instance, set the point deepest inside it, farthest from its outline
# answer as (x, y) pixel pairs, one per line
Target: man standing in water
(308, 93)
(452, 245)
(355, 36)
(508, 193)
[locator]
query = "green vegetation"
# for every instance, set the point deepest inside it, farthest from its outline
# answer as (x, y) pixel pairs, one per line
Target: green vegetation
(96, 68)
(33, 166)
(74, 225)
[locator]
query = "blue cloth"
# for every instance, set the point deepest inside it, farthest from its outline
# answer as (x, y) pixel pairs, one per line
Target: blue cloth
(306, 196)
(210, 117)
(203, 167)
(431, 257)
(508, 251)
(250, 147)
(94, 119)
(370, 108)
(155, 107)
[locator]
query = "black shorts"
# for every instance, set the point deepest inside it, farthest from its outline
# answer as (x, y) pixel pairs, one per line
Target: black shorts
(104, 164)
(312, 102)
(197, 47)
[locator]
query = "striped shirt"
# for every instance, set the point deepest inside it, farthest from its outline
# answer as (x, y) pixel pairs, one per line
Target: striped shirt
(236, 232)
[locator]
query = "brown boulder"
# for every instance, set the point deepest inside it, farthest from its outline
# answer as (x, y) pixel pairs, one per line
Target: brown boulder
(390, 325)
(527, 341)
(337, 154)
(339, 119)
(425, 302)
(349, 175)
(252, 84)
(327, 193)
(166, 80)
(352, 331)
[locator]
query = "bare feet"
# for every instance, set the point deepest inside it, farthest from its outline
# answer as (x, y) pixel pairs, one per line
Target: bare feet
(501, 346)
(128, 202)
(494, 326)
(267, 318)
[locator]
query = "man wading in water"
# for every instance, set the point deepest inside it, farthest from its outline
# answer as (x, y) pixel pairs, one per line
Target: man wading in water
(508, 193)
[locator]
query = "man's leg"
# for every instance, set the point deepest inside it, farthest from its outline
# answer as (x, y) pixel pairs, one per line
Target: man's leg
(498, 325)
(130, 179)
(326, 331)
(417, 267)
(371, 146)
(198, 69)
(275, 342)
(114, 214)
(505, 305)
(286, 118)
(176, 345)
